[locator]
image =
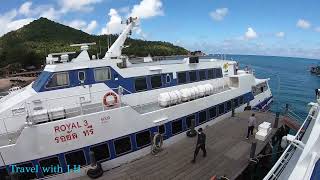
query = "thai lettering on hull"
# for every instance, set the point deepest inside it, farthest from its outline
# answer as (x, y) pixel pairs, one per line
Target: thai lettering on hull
(72, 131)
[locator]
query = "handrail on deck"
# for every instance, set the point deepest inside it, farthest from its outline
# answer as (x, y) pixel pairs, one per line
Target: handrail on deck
(272, 173)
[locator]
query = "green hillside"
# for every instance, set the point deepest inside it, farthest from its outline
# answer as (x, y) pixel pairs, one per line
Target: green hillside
(31, 44)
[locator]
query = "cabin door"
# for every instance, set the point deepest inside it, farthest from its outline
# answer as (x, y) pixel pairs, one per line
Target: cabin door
(84, 87)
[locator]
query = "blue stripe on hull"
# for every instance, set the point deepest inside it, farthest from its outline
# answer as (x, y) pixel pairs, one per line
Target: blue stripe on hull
(265, 104)
(168, 133)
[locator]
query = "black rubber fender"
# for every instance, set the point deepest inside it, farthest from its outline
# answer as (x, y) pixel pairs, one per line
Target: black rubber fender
(95, 173)
(191, 133)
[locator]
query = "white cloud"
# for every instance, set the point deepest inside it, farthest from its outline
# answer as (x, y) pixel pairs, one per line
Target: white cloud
(280, 34)
(50, 13)
(144, 10)
(83, 25)
(91, 26)
(9, 23)
(14, 25)
(219, 14)
(317, 29)
(147, 9)
(25, 8)
(77, 24)
(250, 34)
(114, 25)
(304, 24)
(78, 5)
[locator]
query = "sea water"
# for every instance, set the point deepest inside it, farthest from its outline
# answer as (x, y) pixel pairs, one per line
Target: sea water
(290, 80)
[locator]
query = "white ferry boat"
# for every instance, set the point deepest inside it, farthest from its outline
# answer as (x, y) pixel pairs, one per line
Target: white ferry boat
(112, 108)
(300, 160)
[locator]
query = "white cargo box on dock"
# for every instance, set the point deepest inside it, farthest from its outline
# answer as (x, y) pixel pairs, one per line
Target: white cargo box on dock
(264, 130)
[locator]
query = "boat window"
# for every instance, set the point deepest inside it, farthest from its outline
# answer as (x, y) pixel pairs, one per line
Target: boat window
(213, 112)
(58, 80)
(210, 74)
(162, 129)
(102, 74)
(176, 127)
(221, 109)
(101, 151)
(228, 106)
(218, 72)
(156, 81)
(182, 78)
(202, 117)
(202, 75)
(122, 145)
(82, 76)
(236, 103)
(189, 119)
(193, 76)
(141, 84)
(75, 158)
(143, 138)
(27, 175)
(50, 162)
(168, 78)
(241, 100)
(4, 173)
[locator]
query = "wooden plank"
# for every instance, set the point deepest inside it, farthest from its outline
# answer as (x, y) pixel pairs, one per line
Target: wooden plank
(227, 154)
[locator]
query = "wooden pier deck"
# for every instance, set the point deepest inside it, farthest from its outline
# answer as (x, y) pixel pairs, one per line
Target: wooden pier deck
(227, 154)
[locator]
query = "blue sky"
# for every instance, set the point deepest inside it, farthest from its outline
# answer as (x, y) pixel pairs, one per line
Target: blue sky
(284, 28)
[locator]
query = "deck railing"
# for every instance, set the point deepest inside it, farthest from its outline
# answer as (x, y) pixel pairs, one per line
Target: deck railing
(280, 165)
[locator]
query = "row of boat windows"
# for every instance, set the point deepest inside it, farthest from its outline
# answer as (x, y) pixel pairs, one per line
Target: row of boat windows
(125, 144)
(199, 75)
(61, 79)
(141, 83)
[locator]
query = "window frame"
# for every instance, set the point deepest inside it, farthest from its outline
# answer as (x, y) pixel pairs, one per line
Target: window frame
(178, 132)
(236, 100)
(46, 158)
(84, 155)
(140, 132)
(195, 75)
(243, 101)
(145, 79)
(168, 75)
(62, 72)
(195, 119)
(206, 116)
(23, 164)
(161, 83)
(85, 75)
(106, 68)
(114, 146)
(104, 143)
(5, 174)
(218, 73)
(216, 112)
(205, 74)
(213, 73)
(227, 106)
(224, 109)
(185, 76)
(164, 127)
